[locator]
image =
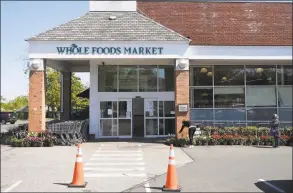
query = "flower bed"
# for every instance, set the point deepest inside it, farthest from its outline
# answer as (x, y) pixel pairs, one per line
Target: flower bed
(236, 136)
(32, 139)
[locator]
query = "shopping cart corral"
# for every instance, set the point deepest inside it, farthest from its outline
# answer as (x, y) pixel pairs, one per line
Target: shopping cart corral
(69, 132)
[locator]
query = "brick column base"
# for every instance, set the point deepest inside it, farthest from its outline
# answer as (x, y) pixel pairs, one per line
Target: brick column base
(37, 110)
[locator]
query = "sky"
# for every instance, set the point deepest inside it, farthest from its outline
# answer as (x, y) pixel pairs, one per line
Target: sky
(21, 20)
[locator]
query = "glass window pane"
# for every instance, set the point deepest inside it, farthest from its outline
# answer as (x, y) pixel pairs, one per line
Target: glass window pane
(106, 109)
(229, 97)
(229, 75)
(166, 78)
(284, 74)
(107, 76)
(148, 78)
(128, 79)
(285, 96)
(261, 75)
(151, 126)
(122, 109)
(202, 98)
(124, 127)
(169, 126)
(264, 114)
(169, 109)
(230, 114)
(201, 76)
(161, 127)
(285, 114)
(151, 108)
(261, 96)
(108, 127)
(201, 114)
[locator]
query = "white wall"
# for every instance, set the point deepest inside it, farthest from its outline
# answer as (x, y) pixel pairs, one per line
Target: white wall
(94, 103)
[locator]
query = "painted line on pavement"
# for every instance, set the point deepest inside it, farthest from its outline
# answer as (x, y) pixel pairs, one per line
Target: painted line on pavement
(13, 186)
(271, 185)
(113, 175)
(121, 151)
(115, 169)
(114, 164)
(115, 155)
(147, 187)
(117, 159)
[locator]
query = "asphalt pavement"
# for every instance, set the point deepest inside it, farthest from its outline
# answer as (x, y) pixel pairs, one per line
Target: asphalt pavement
(232, 169)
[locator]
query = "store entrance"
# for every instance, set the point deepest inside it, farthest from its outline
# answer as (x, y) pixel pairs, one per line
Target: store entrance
(137, 117)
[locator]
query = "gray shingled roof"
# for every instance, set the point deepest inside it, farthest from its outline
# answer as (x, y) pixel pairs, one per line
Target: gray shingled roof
(96, 26)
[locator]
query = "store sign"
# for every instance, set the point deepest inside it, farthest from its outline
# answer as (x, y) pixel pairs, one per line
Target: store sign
(75, 50)
(183, 108)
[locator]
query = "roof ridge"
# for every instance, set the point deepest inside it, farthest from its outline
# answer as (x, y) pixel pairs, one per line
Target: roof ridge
(145, 16)
(57, 26)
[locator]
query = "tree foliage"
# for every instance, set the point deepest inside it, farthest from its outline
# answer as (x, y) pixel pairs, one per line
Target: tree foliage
(15, 104)
(52, 94)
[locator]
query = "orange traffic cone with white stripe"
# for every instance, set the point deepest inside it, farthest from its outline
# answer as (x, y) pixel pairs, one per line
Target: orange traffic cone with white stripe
(171, 181)
(78, 175)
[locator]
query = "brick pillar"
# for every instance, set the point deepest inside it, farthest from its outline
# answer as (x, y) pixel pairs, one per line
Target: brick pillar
(181, 94)
(37, 108)
(65, 95)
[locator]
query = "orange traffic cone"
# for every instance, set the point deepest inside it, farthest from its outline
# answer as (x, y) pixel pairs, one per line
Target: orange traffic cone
(171, 181)
(78, 175)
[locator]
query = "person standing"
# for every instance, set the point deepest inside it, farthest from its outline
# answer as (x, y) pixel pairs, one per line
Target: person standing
(275, 129)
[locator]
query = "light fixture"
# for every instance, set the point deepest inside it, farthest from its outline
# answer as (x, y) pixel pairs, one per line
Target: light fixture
(203, 70)
(209, 74)
(204, 94)
(224, 78)
(35, 65)
(182, 63)
(259, 70)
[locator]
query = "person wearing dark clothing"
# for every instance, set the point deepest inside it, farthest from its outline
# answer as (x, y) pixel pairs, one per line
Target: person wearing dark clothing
(275, 129)
(191, 131)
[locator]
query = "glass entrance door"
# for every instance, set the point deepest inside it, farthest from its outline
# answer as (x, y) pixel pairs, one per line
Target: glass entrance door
(125, 118)
(151, 116)
(108, 119)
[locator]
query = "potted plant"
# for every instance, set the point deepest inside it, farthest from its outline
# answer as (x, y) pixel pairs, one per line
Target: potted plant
(198, 141)
(256, 141)
(249, 140)
(212, 141)
(204, 141)
(49, 141)
(242, 140)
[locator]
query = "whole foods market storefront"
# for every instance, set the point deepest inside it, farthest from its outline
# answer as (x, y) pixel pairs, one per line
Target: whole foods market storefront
(145, 78)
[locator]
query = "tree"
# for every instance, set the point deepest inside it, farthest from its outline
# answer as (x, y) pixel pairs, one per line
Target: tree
(53, 91)
(13, 105)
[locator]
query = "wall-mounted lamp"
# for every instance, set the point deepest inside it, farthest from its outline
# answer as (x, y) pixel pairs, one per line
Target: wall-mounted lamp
(203, 70)
(259, 70)
(209, 74)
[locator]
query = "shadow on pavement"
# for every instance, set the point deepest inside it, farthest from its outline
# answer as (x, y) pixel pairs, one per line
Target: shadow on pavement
(284, 185)
(63, 184)
(132, 140)
(156, 188)
(260, 146)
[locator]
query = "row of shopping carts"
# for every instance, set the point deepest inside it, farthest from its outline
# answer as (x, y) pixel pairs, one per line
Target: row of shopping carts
(69, 132)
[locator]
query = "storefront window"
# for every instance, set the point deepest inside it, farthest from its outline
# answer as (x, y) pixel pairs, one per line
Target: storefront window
(201, 114)
(166, 126)
(167, 109)
(229, 97)
(128, 79)
(262, 114)
(148, 78)
(166, 78)
(202, 98)
(261, 75)
(230, 114)
(107, 78)
(201, 76)
(261, 96)
(285, 114)
(285, 96)
(284, 74)
(229, 75)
